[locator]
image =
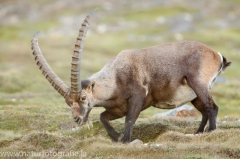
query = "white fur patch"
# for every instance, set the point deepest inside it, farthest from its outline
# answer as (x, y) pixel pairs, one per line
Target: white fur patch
(213, 79)
(146, 92)
(220, 57)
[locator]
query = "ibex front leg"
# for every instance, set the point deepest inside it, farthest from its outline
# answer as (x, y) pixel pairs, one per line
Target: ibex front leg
(135, 106)
(105, 117)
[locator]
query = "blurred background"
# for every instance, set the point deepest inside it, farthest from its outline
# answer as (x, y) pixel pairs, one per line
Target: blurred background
(116, 26)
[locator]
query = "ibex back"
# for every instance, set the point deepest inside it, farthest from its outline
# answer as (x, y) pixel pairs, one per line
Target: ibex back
(164, 76)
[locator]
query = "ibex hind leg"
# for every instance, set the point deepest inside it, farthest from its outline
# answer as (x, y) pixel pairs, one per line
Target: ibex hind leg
(105, 117)
(199, 105)
(204, 103)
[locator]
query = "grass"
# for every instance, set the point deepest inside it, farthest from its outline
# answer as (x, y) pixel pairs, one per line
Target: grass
(34, 117)
(145, 15)
(162, 137)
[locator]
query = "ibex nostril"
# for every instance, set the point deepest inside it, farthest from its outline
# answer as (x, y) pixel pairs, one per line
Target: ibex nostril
(76, 119)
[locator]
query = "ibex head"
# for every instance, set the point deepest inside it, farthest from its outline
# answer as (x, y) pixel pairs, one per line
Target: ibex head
(76, 97)
(80, 102)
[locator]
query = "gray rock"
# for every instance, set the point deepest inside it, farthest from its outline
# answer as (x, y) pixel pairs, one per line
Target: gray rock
(221, 79)
(173, 112)
(136, 142)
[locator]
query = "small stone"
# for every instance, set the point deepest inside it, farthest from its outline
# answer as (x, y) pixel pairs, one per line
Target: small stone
(102, 28)
(158, 145)
(14, 100)
(75, 128)
(161, 20)
(136, 142)
(190, 134)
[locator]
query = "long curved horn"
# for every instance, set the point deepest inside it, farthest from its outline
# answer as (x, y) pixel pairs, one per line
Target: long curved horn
(76, 57)
(55, 81)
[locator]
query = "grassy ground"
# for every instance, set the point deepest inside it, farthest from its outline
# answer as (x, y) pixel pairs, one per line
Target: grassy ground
(52, 132)
(33, 117)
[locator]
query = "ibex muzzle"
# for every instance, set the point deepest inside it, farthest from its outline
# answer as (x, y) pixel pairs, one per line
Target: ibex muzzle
(163, 76)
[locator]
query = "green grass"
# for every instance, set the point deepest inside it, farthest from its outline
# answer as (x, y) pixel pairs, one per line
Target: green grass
(148, 15)
(19, 31)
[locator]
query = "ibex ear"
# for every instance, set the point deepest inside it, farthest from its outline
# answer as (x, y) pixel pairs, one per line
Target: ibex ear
(90, 87)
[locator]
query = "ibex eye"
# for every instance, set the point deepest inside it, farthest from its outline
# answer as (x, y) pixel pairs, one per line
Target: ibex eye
(83, 98)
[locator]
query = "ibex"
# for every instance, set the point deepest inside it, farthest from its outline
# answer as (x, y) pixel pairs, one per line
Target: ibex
(163, 76)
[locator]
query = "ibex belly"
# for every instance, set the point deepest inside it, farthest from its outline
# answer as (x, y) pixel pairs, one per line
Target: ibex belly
(182, 95)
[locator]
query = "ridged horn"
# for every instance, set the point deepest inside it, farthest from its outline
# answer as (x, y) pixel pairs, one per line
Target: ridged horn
(53, 79)
(77, 53)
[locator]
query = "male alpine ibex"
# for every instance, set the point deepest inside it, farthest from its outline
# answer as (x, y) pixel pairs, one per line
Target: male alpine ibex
(164, 76)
